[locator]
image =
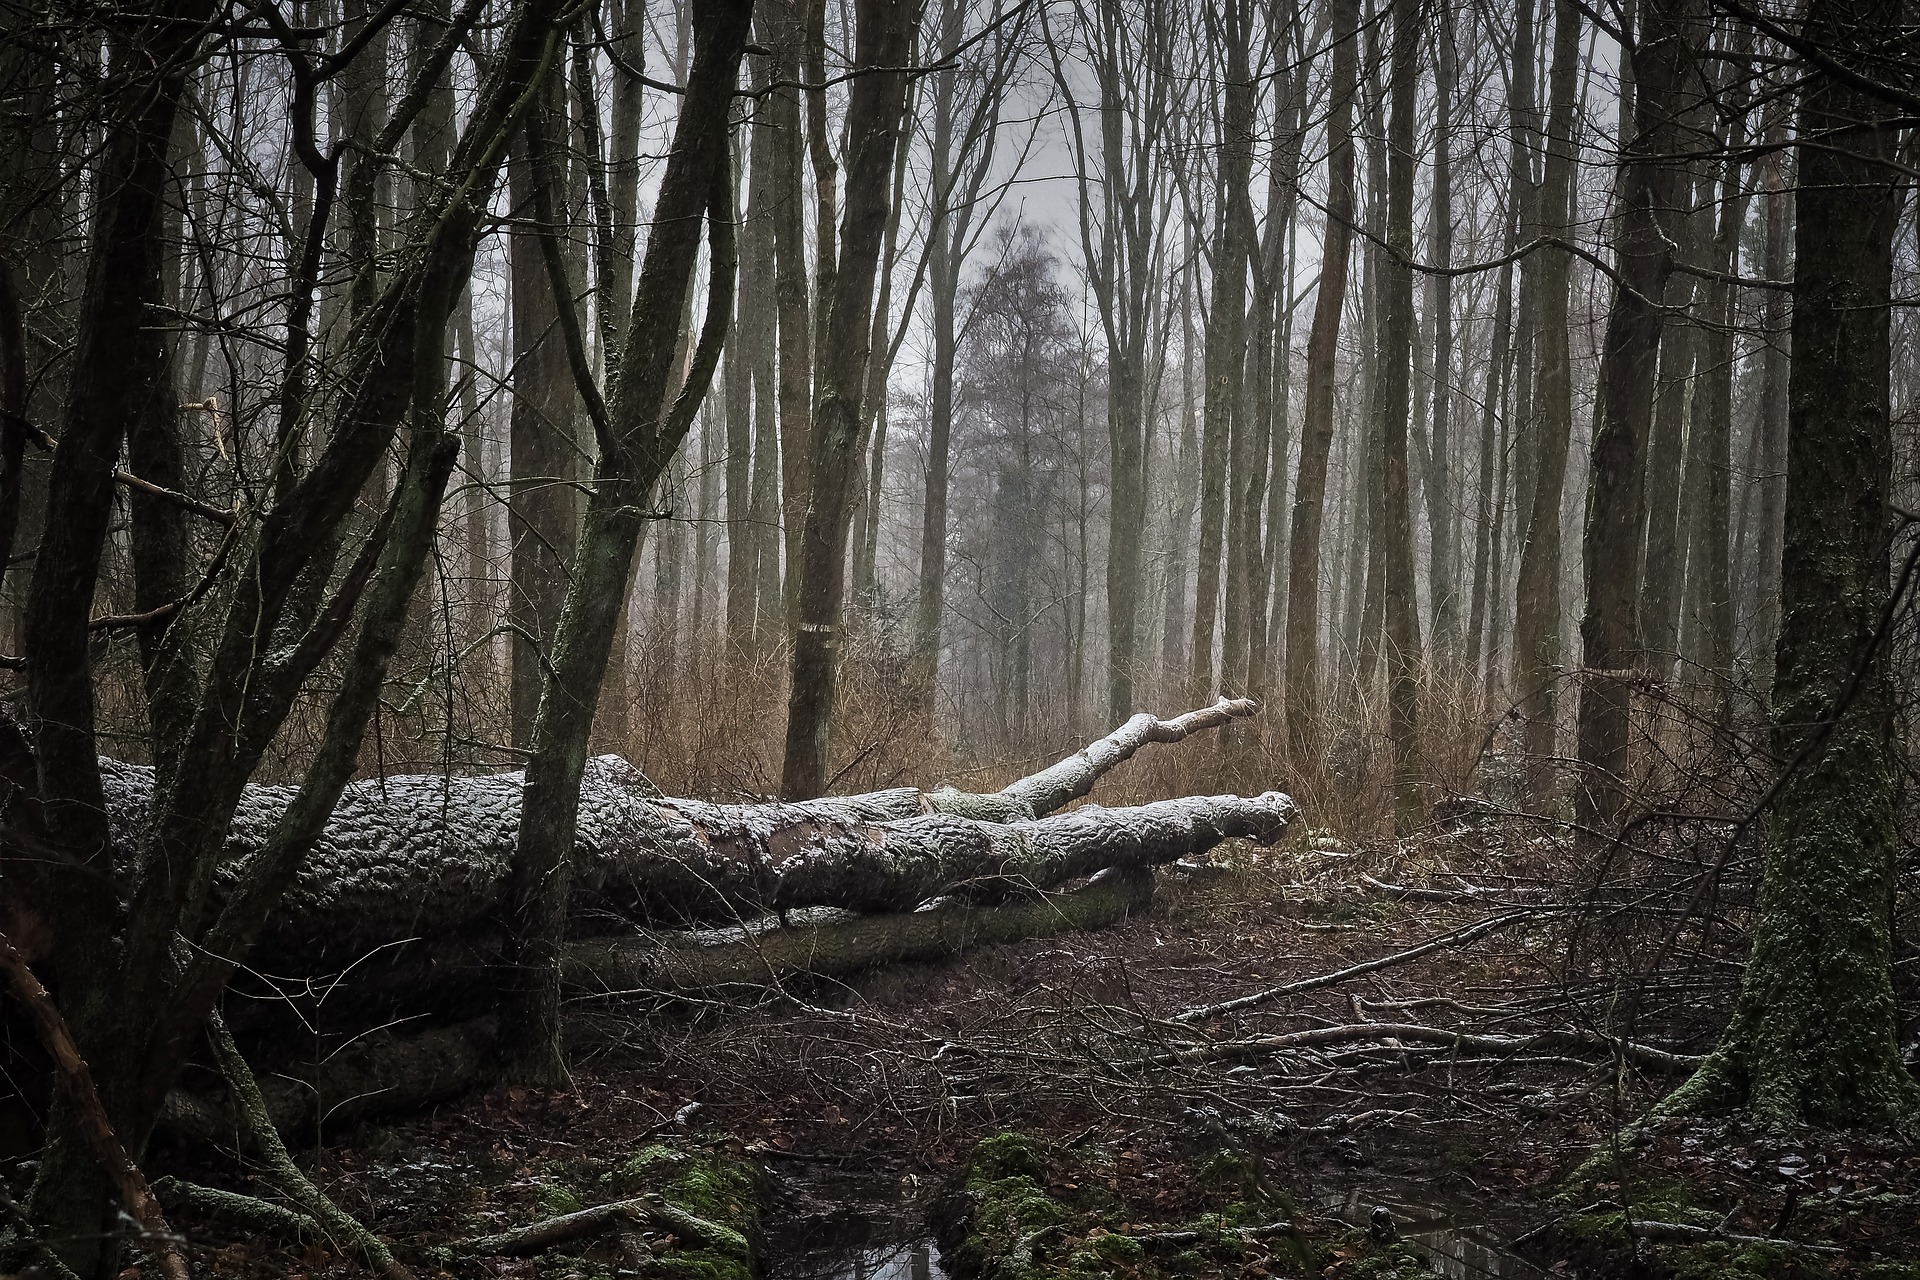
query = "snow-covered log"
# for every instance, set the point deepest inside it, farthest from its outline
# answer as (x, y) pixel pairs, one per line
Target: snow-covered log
(426, 856)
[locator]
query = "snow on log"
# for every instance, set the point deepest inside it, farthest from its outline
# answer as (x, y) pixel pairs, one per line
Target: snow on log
(427, 855)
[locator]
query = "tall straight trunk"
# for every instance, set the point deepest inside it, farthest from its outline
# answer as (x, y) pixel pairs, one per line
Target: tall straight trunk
(544, 456)
(1360, 600)
(706, 507)
(1186, 497)
(1443, 585)
(643, 425)
(1365, 641)
(930, 605)
(1497, 569)
(1663, 571)
(867, 570)
(1225, 434)
(1647, 190)
(884, 33)
(1815, 1036)
(1396, 381)
(1485, 618)
(1772, 418)
(1714, 416)
(1260, 508)
(738, 363)
(781, 26)
(364, 180)
(1536, 627)
(1303, 692)
(759, 343)
(476, 513)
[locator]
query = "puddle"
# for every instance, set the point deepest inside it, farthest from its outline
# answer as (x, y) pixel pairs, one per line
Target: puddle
(914, 1260)
(1456, 1247)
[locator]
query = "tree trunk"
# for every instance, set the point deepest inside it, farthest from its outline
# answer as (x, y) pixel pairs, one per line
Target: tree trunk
(1648, 188)
(1536, 628)
(1814, 1038)
(1224, 430)
(1443, 586)
(542, 509)
(1303, 690)
(1663, 571)
(1396, 374)
(761, 342)
(640, 434)
(1485, 618)
(1772, 423)
(780, 25)
(884, 35)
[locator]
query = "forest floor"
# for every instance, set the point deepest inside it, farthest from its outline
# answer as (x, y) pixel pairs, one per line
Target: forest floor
(874, 1112)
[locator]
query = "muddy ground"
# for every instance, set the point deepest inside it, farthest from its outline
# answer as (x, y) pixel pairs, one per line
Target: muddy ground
(860, 1107)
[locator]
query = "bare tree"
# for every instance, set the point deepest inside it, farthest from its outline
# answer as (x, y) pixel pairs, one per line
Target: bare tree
(1304, 670)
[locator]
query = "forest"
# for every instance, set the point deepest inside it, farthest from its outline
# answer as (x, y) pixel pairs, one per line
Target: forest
(959, 639)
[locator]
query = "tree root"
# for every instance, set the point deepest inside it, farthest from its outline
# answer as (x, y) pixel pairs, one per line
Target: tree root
(249, 1212)
(341, 1226)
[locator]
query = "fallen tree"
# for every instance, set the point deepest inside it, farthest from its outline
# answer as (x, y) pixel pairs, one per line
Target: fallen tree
(393, 922)
(425, 858)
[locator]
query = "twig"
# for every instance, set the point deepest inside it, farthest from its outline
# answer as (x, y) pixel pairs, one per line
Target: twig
(77, 1079)
(1454, 938)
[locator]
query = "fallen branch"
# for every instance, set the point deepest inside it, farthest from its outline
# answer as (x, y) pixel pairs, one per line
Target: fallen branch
(644, 1212)
(249, 1212)
(265, 1140)
(76, 1079)
(1466, 893)
(1316, 1037)
(1685, 1232)
(1452, 938)
(768, 953)
(1059, 785)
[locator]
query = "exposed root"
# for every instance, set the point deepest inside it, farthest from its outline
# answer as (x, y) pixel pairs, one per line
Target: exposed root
(341, 1226)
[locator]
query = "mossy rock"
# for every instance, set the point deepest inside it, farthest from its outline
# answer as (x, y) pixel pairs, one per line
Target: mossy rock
(712, 1186)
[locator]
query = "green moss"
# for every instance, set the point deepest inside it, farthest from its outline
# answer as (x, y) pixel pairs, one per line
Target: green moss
(1008, 1155)
(555, 1199)
(713, 1187)
(1020, 1229)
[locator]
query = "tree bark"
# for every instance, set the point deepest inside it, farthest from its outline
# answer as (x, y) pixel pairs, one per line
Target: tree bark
(1443, 586)
(542, 508)
(1396, 375)
(640, 429)
(1485, 617)
(884, 35)
(1303, 690)
(1772, 423)
(1536, 628)
(1648, 188)
(1224, 430)
(1814, 1037)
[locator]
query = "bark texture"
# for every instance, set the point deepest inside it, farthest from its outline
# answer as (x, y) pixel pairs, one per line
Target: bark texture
(1814, 1037)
